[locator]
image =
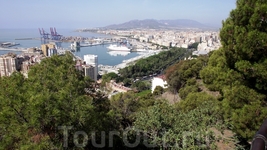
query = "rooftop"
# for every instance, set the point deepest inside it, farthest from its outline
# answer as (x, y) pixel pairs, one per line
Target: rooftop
(163, 77)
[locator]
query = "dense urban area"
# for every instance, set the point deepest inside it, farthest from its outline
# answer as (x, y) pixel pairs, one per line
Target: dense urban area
(190, 89)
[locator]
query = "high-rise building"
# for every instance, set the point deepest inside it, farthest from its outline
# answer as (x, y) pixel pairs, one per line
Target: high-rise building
(198, 39)
(48, 48)
(8, 65)
(90, 71)
(93, 61)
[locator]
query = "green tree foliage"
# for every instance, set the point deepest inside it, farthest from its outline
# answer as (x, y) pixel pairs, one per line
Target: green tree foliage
(54, 95)
(141, 85)
(183, 92)
(191, 81)
(158, 90)
(190, 87)
(217, 75)
(178, 74)
(127, 82)
(244, 39)
(238, 70)
(109, 76)
(166, 127)
(153, 64)
(245, 108)
(194, 45)
(123, 105)
(193, 100)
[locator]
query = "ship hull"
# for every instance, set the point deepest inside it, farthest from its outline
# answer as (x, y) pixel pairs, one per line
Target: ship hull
(118, 48)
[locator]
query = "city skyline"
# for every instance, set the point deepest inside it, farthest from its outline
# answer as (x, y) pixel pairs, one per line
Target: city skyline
(90, 13)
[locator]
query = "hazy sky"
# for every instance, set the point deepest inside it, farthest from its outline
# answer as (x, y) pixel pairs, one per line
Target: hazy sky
(97, 13)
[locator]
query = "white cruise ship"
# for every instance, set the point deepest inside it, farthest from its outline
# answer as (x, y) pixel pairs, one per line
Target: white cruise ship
(118, 48)
(116, 53)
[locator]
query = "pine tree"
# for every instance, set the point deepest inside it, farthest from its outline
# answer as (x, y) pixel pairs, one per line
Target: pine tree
(238, 70)
(244, 40)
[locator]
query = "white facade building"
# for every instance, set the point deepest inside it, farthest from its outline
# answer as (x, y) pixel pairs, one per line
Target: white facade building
(93, 61)
(159, 81)
(210, 42)
(184, 45)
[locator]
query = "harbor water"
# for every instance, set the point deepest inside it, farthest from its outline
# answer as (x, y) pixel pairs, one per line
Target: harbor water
(105, 57)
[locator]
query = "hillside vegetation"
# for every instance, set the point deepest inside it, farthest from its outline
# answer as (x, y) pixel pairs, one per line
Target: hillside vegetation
(224, 92)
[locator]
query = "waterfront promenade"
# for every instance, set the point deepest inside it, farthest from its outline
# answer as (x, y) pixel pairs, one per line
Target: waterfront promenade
(107, 69)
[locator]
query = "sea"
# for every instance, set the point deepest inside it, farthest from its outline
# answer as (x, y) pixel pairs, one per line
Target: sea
(105, 57)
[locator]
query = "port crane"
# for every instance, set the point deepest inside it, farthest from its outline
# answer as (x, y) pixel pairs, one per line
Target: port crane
(43, 34)
(54, 34)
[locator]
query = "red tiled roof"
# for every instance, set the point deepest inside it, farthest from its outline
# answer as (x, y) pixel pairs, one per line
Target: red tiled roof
(163, 77)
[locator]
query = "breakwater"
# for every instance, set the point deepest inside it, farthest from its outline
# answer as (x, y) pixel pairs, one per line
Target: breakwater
(13, 49)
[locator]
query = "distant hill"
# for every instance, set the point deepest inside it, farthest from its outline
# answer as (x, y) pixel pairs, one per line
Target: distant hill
(159, 24)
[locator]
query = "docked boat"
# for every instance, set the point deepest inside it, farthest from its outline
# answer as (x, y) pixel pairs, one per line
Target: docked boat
(116, 53)
(118, 48)
(94, 42)
(8, 44)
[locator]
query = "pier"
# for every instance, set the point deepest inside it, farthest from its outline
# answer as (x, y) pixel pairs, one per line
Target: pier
(28, 39)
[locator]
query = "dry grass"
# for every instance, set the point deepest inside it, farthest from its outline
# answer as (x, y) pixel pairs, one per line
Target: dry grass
(226, 141)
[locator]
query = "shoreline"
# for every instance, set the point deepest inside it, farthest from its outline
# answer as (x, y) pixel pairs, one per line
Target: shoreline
(30, 38)
(126, 63)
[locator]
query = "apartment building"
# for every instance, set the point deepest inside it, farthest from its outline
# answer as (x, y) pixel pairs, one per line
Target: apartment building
(92, 60)
(8, 64)
(49, 49)
(89, 70)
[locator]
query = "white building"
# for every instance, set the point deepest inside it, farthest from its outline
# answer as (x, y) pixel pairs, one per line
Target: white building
(51, 52)
(200, 52)
(210, 42)
(93, 61)
(202, 46)
(184, 45)
(159, 81)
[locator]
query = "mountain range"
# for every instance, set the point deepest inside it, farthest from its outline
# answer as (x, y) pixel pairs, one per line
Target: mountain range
(160, 24)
